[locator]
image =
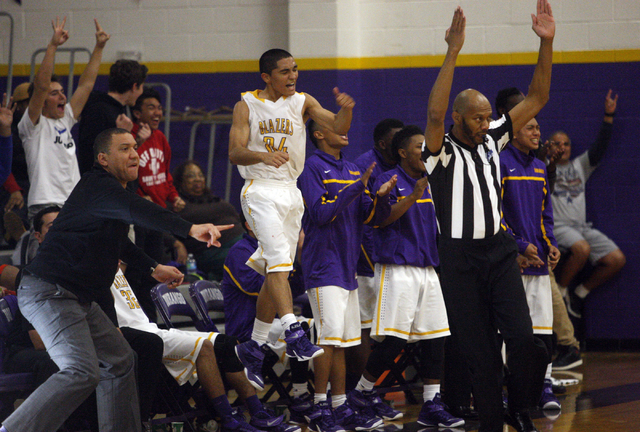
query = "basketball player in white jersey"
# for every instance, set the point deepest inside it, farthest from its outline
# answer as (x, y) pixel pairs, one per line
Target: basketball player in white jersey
(267, 141)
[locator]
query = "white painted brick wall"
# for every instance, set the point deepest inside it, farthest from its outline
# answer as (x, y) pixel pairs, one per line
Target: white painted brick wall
(209, 30)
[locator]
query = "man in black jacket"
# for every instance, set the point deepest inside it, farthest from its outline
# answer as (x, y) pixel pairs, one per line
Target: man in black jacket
(73, 271)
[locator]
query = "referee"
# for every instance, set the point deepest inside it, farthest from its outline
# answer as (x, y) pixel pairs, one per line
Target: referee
(481, 281)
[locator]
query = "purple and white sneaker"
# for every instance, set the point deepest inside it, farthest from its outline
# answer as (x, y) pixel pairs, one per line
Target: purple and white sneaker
(252, 357)
(371, 399)
(298, 345)
(435, 414)
(355, 419)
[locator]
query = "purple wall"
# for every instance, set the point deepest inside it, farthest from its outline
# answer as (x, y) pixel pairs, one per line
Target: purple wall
(576, 105)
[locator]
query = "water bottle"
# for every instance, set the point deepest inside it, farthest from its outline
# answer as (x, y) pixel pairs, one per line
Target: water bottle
(191, 264)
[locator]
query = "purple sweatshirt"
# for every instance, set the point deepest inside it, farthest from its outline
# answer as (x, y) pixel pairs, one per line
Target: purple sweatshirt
(410, 240)
(365, 262)
(336, 208)
(526, 203)
(240, 287)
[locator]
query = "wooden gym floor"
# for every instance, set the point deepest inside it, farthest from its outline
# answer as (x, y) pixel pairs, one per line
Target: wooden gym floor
(606, 399)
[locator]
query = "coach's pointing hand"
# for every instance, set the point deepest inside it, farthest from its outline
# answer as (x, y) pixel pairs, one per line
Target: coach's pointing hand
(208, 233)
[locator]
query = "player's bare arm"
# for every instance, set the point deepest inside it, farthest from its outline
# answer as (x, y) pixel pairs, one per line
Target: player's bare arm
(88, 77)
(239, 139)
(545, 27)
(42, 80)
(339, 123)
(439, 97)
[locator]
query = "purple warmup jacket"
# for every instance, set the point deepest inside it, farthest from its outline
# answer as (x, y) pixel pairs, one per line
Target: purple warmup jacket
(365, 262)
(336, 208)
(526, 203)
(240, 287)
(410, 240)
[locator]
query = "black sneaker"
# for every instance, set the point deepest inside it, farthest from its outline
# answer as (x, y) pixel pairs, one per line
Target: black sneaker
(568, 358)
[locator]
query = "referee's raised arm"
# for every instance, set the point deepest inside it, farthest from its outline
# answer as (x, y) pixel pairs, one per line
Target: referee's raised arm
(439, 97)
(545, 27)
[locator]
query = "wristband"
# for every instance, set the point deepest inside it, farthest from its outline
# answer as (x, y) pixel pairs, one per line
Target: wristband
(153, 268)
(613, 114)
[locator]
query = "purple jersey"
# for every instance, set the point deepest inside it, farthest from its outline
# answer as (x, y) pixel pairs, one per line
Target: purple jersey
(526, 203)
(336, 208)
(365, 262)
(410, 240)
(240, 287)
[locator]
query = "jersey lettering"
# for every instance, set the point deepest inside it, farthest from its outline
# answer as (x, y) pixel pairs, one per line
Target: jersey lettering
(268, 143)
(131, 300)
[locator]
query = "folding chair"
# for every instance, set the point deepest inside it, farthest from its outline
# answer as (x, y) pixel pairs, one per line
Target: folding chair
(174, 399)
(394, 380)
(12, 386)
(170, 302)
(207, 296)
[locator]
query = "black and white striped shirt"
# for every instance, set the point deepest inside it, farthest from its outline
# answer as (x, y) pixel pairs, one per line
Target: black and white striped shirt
(465, 183)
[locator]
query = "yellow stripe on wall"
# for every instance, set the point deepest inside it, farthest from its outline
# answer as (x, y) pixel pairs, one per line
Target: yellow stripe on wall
(343, 63)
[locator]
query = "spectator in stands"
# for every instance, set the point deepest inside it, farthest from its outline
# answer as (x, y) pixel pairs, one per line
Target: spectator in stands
(155, 184)
(573, 232)
(6, 140)
(202, 205)
(107, 110)
(45, 128)
(14, 189)
(28, 246)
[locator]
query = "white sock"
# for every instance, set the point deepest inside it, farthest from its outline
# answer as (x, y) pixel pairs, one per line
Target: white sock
(365, 384)
(581, 291)
(319, 397)
(337, 400)
(548, 374)
(299, 389)
(429, 391)
(260, 331)
(287, 320)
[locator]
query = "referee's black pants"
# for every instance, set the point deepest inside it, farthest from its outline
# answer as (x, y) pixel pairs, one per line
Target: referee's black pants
(483, 293)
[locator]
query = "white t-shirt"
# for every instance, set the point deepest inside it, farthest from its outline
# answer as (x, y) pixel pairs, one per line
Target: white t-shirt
(51, 157)
(568, 198)
(276, 126)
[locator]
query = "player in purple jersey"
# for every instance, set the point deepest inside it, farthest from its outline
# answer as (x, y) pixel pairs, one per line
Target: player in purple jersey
(410, 307)
(337, 206)
(382, 155)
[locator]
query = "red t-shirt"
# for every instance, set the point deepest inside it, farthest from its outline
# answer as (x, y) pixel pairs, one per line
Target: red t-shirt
(154, 177)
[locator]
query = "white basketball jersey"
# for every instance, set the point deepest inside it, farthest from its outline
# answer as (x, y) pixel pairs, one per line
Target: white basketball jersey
(275, 126)
(128, 310)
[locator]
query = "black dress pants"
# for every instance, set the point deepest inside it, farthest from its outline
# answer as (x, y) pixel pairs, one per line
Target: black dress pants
(483, 293)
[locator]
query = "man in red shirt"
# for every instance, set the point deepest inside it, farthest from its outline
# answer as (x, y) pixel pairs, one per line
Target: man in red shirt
(154, 183)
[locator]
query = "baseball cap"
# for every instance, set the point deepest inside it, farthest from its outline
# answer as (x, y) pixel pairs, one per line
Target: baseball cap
(20, 93)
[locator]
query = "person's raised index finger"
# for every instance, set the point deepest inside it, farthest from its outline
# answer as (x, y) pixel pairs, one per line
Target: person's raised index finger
(224, 227)
(64, 20)
(98, 28)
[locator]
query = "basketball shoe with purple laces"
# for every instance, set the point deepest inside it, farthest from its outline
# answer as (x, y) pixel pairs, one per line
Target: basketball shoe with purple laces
(299, 345)
(434, 414)
(252, 356)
